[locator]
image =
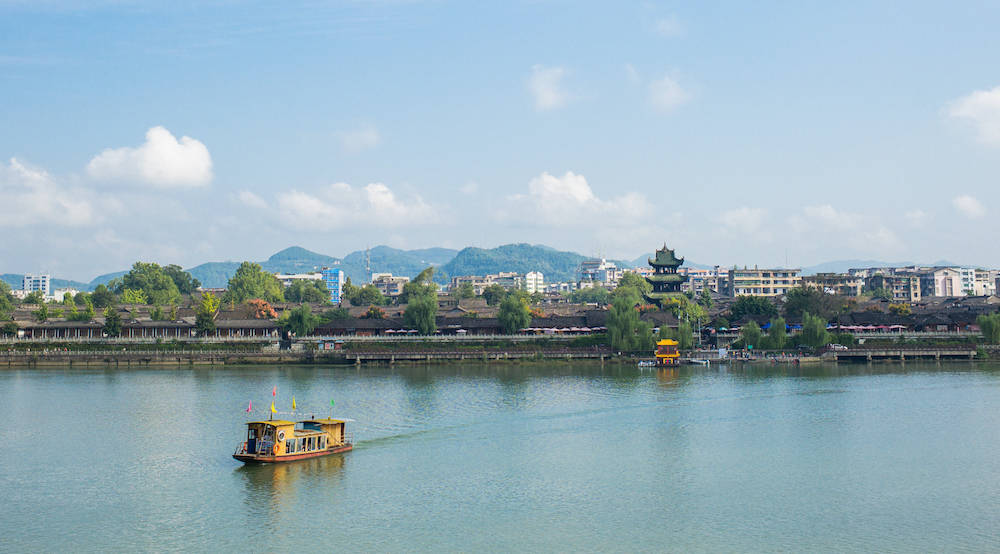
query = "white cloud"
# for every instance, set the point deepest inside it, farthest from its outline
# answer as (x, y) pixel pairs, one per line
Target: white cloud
(251, 199)
(546, 87)
(30, 196)
(666, 94)
(969, 206)
(469, 188)
(569, 201)
(832, 228)
(915, 217)
(340, 205)
(982, 110)
(746, 221)
(161, 161)
(360, 139)
(668, 26)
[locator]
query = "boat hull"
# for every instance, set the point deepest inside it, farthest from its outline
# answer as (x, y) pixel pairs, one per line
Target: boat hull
(264, 459)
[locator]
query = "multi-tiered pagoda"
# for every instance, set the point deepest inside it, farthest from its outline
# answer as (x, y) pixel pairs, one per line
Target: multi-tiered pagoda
(665, 279)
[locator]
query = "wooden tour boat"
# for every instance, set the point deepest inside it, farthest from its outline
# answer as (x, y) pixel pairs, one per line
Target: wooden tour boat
(278, 440)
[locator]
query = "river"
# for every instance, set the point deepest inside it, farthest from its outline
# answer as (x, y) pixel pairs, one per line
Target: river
(534, 457)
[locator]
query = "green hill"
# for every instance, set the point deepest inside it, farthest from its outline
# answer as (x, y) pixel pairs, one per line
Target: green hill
(522, 258)
(385, 259)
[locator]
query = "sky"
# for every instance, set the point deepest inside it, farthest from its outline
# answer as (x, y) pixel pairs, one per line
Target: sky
(766, 133)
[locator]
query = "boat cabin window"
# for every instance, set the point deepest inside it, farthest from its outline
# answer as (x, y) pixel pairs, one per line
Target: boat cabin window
(289, 446)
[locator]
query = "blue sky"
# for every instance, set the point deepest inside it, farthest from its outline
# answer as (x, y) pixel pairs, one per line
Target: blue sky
(736, 132)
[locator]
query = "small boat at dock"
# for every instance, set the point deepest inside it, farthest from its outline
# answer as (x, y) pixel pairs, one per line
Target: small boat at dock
(278, 440)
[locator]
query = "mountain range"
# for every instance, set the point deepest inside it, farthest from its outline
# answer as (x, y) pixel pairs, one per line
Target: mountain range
(556, 265)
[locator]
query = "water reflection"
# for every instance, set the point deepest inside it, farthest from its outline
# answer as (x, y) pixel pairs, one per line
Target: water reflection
(274, 488)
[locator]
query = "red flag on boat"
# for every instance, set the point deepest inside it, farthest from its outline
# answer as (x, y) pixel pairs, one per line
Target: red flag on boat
(274, 391)
(250, 407)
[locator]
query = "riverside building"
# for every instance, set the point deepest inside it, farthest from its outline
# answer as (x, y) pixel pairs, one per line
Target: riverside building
(762, 282)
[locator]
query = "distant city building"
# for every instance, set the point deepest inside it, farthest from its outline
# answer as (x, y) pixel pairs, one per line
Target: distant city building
(509, 280)
(334, 279)
(288, 278)
(762, 282)
(31, 283)
(388, 284)
(60, 294)
(902, 287)
(534, 281)
(701, 279)
(843, 284)
(943, 281)
(478, 283)
(600, 271)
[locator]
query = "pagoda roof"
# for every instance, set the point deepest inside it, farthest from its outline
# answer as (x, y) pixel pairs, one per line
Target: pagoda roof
(665, 257)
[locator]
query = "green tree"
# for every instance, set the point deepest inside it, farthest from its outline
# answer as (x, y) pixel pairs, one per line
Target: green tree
(777, 335)
(9, 329)
(881, 293)
(300, 320)
(348, 290)
(68, 300)
(81, 298)
(156, 314)
(421, 285)
(374, 312)
(134, 296)
(369, 295)
(514, 314)
(685, 336)
(990, 327)
(185, 282)
(465, 290)
(112, 322)
(42, 313)
(35, 298)
(705, 298)
(205, 311)
(308, 291)
(336, 313)
(155, 284)
(814, 331)
(752, 305)
(632, 294)
(592, 295)
(494, 294)
(751, 335)
(102, 297)
(810, 299)
(421, 313)
(636, 281)
(251, 281)
(626, 331)
(6, 300)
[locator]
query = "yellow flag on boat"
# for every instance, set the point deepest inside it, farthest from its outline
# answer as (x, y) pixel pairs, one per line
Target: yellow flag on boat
(293, 402)
(273, 411)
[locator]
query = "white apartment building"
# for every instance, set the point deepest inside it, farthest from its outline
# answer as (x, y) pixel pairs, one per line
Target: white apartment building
(31, 283)
(700, 279)
(388, 284)
(534, 281)
(762, 282)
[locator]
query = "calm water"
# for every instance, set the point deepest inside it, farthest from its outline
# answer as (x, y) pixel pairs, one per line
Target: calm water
(509, 458)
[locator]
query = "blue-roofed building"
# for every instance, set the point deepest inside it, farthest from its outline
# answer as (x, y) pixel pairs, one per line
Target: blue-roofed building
(334, 279)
